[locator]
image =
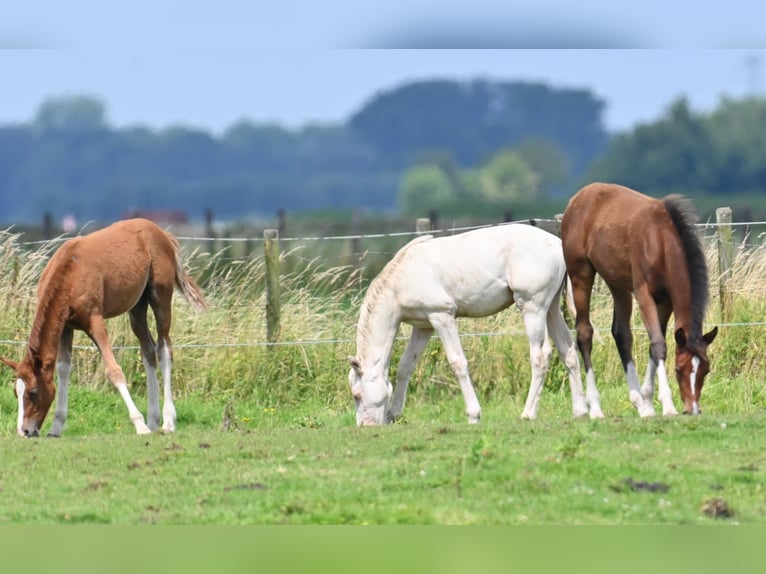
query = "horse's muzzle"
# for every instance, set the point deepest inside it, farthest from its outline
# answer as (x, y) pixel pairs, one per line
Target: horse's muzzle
(29, 433)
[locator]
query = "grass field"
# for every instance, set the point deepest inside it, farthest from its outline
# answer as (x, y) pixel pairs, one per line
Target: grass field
(435, 469)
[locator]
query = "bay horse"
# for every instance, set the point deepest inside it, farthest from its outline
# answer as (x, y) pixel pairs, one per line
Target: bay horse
(431, 281)
(646, 247)
(124, 268)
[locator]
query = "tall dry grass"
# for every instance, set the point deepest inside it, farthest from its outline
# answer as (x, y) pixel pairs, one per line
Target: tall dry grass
(222, 355)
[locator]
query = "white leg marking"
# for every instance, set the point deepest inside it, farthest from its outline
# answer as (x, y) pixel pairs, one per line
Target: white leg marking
(593, 396)
(20, 390)
(643, 406)
(168, 408)
(647, 389)
(135, 415)
(665, 395)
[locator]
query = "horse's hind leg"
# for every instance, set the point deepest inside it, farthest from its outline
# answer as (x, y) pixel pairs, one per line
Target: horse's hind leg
(63, 367)
(446, 328)
(567, 350)
(140, 327)
(404, 370)
(623, 337)
(97, 332)
(539, 353)
(160, 300)
(582, 278)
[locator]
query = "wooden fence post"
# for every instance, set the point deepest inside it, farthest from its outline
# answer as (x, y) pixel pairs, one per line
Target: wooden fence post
(422, 225)
(271, 254)
(47, 226)
(356, 241)
(725, 259)
(210, 230)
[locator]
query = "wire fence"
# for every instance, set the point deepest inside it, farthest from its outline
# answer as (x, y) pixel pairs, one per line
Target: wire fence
(744, 227)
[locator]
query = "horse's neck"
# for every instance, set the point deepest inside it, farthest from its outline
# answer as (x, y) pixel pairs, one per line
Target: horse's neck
(680, 292)
(47, 327)
(376, 331)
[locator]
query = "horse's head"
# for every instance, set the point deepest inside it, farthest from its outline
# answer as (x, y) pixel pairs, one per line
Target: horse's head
(371, 392)
(692, 365)
(35, 390)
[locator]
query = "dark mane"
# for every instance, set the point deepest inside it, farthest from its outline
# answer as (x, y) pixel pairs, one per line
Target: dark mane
(684, 217)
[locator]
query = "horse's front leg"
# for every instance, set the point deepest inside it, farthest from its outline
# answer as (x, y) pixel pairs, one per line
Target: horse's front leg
(657, 351)
(97, 332)
(63, 368)
(623, 338)
(446, 327)
(664, 310)
(412, 353)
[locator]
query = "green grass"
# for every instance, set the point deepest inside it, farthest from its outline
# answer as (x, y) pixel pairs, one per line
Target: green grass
(431, 470)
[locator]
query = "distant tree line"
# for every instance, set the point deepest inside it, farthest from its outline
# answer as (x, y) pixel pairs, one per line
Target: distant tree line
(459, 147)
(69, 159)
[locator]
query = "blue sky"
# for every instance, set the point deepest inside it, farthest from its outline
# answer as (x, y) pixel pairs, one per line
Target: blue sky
(163, 63)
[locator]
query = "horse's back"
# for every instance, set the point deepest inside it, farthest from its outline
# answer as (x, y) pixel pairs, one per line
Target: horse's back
(112, 265)
(606, 225)
(481, 271)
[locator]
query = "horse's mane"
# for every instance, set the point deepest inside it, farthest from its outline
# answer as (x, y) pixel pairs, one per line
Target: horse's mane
(684, 217)
(48, 296)
(380, 283)
(376, 287)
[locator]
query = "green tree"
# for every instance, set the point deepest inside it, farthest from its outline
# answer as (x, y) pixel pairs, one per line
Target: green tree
(738, 130)
(548, 161)
(675, 154)
(507, 178)
(425, 187)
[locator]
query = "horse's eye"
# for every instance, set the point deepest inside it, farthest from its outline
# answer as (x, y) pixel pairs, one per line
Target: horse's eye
(678, 371)
(33, 394)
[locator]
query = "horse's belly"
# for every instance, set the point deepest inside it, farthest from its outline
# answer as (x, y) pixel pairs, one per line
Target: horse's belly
(483, 304)
(615, 271)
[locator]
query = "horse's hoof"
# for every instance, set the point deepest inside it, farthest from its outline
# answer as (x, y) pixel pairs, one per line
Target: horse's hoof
(577, 413)
(473, 419)
(596, 413)
(53, 435)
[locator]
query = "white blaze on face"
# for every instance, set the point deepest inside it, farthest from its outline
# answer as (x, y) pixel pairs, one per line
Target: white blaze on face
(20, 389)
(693, 382)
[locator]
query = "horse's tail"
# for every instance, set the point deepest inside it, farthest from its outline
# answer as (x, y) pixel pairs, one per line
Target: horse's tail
(186, 285)
(569, 296)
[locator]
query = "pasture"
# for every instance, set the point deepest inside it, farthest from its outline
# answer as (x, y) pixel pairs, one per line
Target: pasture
(266, 433)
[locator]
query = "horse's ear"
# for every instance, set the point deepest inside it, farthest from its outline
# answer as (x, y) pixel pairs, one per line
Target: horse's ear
(12, 364)
(356, 365)
(680, 338)
(709, 337)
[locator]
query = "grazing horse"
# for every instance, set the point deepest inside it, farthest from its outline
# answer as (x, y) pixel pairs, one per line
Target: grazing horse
(647, 247)
(126, 267)
(430, 282)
